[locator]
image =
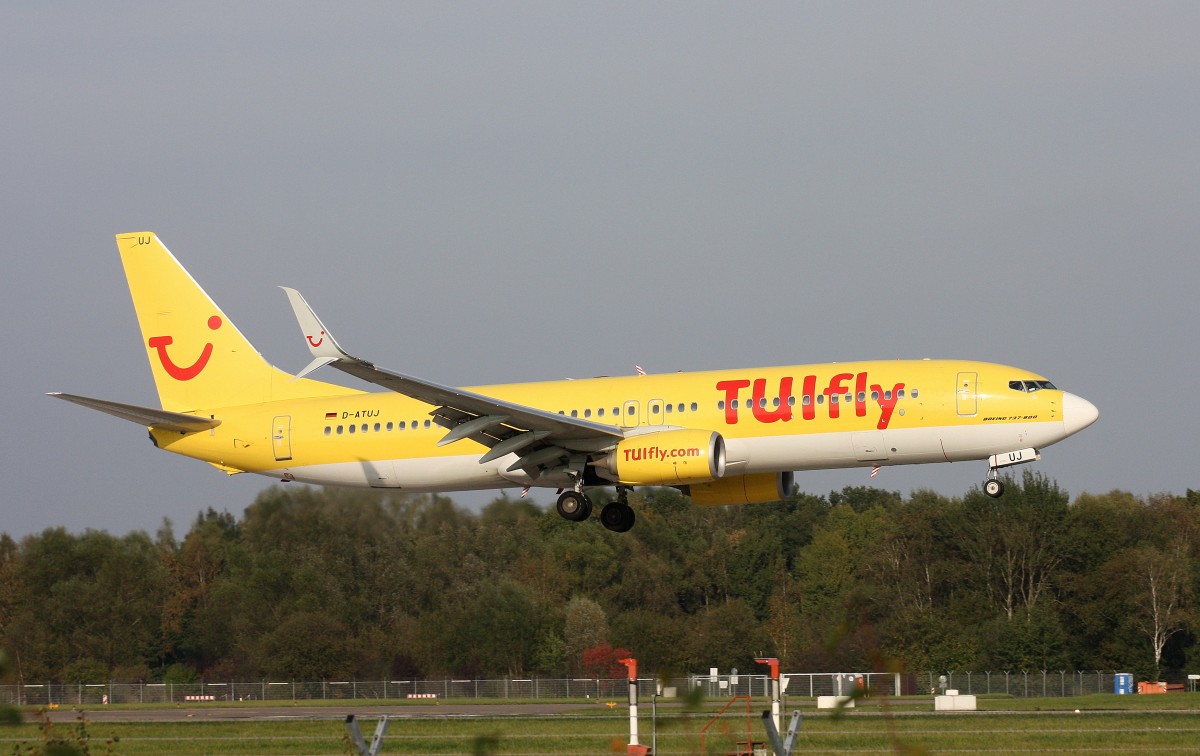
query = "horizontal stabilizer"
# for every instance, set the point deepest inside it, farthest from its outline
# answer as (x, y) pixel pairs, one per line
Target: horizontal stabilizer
(152, 418)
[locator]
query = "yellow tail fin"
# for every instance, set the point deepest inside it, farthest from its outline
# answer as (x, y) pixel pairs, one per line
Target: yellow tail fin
(199, 358)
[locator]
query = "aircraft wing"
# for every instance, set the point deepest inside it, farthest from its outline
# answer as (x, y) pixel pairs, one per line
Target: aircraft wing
(152, 418)
(541, 437)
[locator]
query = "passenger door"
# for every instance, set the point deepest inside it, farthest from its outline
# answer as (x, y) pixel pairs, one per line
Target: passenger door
(966, 398)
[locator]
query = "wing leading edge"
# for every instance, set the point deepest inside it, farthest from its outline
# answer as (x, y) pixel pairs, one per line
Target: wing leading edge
(546, 441)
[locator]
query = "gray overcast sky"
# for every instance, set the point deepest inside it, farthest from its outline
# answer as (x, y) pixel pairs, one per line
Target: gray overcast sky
(494, 192)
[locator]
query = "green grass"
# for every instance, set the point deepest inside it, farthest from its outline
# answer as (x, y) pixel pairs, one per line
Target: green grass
(1100, 701)
(1106, 724)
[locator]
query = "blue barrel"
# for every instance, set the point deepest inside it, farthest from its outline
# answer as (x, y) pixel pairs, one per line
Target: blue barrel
(1123, 684)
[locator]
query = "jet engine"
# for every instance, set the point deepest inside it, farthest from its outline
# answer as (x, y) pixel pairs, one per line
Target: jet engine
(742, 489)
(666, 458)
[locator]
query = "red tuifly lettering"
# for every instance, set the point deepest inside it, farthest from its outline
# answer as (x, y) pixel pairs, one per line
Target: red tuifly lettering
(731, 389)
(809, 399)
(835, 390)
(887, 403)
(837, 393)
(759, 397)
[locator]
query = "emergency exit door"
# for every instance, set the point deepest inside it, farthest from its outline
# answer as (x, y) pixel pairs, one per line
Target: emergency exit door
(631, 414)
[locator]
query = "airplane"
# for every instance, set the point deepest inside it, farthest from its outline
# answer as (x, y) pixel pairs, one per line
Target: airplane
(721, 437)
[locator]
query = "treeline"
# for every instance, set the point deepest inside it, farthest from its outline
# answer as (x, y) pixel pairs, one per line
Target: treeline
(334, 584)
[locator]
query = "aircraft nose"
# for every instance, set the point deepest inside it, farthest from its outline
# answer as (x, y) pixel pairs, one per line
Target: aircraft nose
(1078, 413)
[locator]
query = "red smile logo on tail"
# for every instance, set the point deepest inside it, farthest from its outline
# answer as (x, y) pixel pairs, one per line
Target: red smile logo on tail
(191, 371)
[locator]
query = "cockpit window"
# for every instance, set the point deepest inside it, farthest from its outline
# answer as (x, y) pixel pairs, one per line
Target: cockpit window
(1030, 386)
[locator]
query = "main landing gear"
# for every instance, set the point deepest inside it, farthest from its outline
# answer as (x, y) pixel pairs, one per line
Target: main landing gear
(617, 515)
(574, 506)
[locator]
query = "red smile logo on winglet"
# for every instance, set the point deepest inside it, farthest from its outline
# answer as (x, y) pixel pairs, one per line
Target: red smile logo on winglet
(318, 342)
(191, 371)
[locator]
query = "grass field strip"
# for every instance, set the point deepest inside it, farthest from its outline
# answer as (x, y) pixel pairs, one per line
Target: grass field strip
(597, 732)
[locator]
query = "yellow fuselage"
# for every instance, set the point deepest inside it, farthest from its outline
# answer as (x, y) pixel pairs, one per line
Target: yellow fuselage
(776, 419)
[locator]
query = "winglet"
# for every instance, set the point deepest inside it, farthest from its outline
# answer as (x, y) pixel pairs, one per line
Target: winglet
(320, 341)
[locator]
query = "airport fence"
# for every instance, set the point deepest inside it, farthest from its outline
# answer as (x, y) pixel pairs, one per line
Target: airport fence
(1037, 684)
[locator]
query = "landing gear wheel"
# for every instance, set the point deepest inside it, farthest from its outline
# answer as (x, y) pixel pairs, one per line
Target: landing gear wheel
(993, 488)
(617, 517)
(574, 506)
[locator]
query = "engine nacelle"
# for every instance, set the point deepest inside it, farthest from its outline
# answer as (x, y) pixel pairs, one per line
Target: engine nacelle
(743, 489)
(667, 458)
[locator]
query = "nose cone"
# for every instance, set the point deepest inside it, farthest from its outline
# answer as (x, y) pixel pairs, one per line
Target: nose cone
(1078, 413)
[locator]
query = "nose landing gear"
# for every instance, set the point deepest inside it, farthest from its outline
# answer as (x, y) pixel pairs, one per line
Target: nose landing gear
(993, 487)
(991, 484)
